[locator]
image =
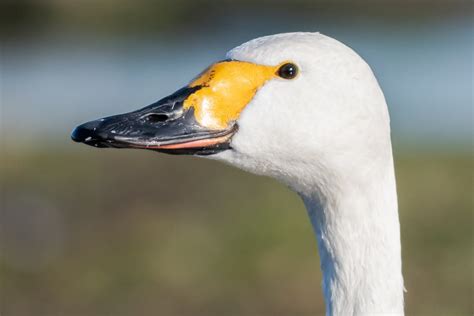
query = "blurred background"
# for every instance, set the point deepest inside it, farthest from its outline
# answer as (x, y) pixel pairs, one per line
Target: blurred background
(121, 232)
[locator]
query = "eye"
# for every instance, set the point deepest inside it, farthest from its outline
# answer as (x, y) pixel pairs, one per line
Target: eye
(288, 71)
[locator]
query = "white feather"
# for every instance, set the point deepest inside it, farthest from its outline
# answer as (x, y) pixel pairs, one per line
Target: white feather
(326, 134)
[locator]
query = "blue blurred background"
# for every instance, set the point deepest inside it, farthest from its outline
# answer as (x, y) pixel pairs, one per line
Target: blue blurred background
(89, 232)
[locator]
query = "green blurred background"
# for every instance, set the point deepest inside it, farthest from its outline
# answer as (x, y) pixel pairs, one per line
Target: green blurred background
(121, 232)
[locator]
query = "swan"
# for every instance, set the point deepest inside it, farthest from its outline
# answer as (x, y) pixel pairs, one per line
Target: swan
(304, 109)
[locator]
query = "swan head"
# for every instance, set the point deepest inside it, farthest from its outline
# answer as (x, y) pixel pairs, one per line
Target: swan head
(285, 105)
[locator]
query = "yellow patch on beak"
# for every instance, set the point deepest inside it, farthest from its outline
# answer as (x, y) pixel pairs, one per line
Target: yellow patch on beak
(227, 87)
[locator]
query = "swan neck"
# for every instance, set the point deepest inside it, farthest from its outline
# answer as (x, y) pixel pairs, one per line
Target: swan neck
(358, 235)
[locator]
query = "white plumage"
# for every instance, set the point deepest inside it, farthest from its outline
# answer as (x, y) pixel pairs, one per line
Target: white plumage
(326, 134)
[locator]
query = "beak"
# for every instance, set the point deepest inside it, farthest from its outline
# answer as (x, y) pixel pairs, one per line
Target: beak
(165, 126)
(199, 119)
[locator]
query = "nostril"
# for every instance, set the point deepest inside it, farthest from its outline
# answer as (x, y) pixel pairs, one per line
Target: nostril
(156, 117)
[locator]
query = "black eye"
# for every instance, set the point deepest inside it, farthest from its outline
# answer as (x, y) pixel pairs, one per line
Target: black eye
(288, 71)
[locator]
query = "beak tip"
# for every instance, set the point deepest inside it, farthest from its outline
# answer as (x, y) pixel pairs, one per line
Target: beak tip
(82, 133)
(77, 134)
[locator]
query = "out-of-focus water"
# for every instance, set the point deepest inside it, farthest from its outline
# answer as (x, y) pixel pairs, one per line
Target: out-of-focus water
(52, 83)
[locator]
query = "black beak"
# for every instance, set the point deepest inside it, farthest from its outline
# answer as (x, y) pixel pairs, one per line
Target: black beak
(163, 126)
